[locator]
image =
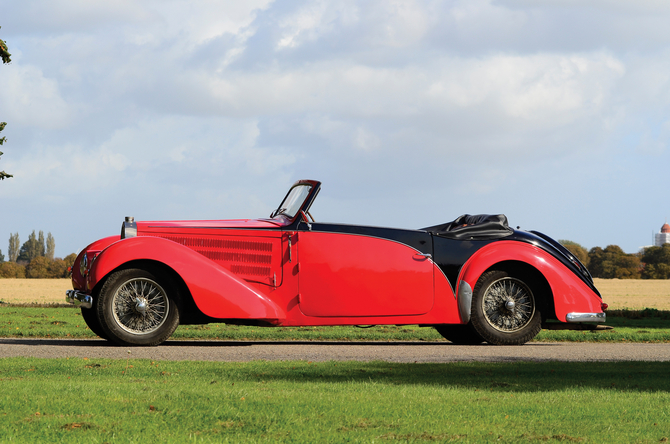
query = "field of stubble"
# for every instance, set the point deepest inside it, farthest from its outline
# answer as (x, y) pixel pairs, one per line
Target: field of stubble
(38, 291)
(619, 294)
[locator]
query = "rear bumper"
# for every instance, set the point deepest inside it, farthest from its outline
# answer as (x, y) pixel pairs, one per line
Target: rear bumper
(79, 298)
(593, 318)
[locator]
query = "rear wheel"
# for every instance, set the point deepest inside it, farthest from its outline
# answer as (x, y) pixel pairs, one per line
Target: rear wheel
(504, 309)
(137, 307)
(459, 334)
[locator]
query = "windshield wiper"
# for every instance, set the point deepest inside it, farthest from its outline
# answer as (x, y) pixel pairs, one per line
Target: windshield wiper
(278, 212)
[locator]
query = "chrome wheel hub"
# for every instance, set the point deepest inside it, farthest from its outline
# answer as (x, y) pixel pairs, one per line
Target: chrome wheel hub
(508, 305)
(140, 306)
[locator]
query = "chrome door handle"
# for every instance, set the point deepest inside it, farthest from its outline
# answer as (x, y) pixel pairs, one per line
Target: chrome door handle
(424, 255)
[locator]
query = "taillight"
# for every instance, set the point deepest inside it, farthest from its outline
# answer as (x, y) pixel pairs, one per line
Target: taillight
(603, 306)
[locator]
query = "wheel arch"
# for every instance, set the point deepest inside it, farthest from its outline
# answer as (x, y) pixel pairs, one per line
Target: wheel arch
(214, 291)
(565, 291)
(188, 309)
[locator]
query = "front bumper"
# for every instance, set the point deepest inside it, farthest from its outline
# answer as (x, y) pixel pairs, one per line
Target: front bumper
(79, 298)
(593, 318)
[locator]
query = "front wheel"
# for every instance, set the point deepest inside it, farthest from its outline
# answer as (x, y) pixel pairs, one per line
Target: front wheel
(504, 309)
(136, 307)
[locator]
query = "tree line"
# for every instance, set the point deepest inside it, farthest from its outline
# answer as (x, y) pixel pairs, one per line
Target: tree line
(612, 262)
(34, 259)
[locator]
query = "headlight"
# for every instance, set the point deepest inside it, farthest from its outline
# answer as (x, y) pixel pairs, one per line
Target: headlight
(87, 262)
(83, 264)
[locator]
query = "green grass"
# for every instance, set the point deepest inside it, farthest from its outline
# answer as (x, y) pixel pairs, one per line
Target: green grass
(66, 322)
(98, 400)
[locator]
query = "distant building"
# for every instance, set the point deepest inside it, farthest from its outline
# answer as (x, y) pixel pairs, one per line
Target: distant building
(663, 237)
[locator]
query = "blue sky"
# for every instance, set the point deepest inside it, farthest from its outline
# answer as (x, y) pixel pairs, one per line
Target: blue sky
(411, 113)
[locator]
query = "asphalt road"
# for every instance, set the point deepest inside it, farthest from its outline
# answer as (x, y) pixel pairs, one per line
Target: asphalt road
(239, 351)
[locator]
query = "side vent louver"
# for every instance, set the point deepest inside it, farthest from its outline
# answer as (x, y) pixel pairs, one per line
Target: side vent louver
(249, 259)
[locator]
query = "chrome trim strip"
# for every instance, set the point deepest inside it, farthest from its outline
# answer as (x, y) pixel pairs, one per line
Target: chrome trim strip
(78, 298)
(597, 318)
(464, 301)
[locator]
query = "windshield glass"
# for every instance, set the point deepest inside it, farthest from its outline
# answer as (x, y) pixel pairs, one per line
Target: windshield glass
(293, 201)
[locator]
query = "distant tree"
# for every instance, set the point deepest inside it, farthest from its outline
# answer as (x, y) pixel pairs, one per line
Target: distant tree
(58, 269)
(12, 270)
(51, 247)
(43, 268)
(3, 175)
(628, 267)
(69, 259)
(656, 271)
(580, 252)
(613, 263)
(38, 268)
(656, 262)
(30, 249)
(41, 243)
(6, 58)
(14, 246)
(2, 256)
(4, 52)
(596, 255)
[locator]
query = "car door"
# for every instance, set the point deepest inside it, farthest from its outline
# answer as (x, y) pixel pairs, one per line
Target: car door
(347, 271)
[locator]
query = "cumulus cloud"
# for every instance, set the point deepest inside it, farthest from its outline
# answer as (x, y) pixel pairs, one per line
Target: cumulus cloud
(188, 107)
(29, 98)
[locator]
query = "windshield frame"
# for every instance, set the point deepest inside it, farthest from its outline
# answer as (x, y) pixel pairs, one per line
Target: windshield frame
(299, 198)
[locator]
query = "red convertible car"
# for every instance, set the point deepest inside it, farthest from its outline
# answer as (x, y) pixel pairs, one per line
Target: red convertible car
(474, 279)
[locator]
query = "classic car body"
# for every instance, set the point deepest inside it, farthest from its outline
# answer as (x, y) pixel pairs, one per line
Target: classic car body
(474, 279)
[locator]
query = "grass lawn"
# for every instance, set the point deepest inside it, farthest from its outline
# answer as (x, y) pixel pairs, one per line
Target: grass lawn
(98, 400)
(66, 322)
(87, 400)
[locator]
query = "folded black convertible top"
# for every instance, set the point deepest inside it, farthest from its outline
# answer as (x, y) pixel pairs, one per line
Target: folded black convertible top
(478, 226)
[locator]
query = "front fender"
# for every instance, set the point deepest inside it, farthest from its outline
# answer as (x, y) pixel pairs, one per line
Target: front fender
(570, 293)
(78, 281)
(216, 292)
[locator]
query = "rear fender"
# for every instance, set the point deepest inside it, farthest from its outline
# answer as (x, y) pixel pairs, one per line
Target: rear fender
(570, 293)
(215, 291)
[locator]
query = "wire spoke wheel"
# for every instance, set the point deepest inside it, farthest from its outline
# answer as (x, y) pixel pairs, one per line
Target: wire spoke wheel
(505, 310)
(140, 306)
(508, 305)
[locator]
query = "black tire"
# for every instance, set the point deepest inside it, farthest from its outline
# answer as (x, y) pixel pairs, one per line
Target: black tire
(504, 309)
(137, 307)
(90, 316)
(461, 334)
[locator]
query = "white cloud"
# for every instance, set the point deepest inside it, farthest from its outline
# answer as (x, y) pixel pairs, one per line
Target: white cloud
(547, 89)
(304, 24)
(201, 105)
(29, 98)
